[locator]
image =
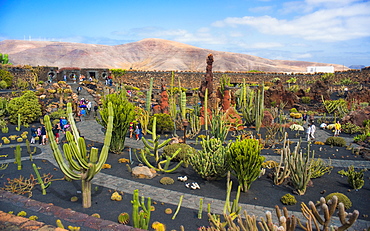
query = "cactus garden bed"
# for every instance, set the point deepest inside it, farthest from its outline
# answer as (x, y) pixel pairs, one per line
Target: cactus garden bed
(262, 192)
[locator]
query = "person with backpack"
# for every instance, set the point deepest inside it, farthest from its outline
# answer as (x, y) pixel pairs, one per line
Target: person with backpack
(33, 134)
(56, 130)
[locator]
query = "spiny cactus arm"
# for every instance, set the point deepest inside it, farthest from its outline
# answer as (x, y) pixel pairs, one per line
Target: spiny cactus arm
(75, 151)
(91, 171)
(107, 140)
(163, 144)
(72, 122)
(342, 216)
(145, 141)
(313, 214)
(333, 203)
(68, 154)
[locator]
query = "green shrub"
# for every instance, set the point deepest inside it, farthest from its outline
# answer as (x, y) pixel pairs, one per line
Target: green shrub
(166, 180)
(341, 199)
(59, 113)
(335, 141)
(212, 161)
(355, 179)
(164, 123)
(27, 105)
(288, 199)
(350, 128)
(3, 84)
(361, 137)
(21, 84)
(365, 123)
(306, 99)
(293, 110)
(246, 161)
(186, 150)
(7, 77)
(319, 168)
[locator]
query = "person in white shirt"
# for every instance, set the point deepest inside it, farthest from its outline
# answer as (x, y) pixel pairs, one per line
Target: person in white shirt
(313, 130)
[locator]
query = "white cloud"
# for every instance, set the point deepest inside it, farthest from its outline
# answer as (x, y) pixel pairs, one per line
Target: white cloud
(334, 24)
(260, 9)
(303, 56)
(266, 45)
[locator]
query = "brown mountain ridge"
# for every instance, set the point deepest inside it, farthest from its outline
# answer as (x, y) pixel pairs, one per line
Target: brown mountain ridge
(146, 54)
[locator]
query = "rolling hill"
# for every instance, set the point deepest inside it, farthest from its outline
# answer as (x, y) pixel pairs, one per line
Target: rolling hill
(146, 54)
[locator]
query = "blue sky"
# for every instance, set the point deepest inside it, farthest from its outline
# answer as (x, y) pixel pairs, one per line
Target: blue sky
(328, 31)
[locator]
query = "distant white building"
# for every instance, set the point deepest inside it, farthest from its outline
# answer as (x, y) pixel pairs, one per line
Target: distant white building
(320, 69)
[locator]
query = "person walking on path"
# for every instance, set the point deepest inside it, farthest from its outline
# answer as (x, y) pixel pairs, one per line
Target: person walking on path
(56, 130)
(79, 89)
(308, 132)
(337, 128)
(131, 129)
(39, 135)
(43, 135)
(313, 130)
(33, 134)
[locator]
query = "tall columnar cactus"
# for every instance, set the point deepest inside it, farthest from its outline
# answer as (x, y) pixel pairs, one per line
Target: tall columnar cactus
(149, 95)
(140, 219)
(18, 128)
(219, 128)
(246, 161)
(39, 179)
(259, 107)
(77, 163)
(282, 170)
(17, 154)
(183, 105)
(205, 110)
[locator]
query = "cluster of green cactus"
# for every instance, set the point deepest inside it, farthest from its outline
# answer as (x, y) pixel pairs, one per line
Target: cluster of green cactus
(75, 153)
(282, 171)
(140, 218)
(153, 145)
(339, 106)
(355, 179)
(4, 58)
(246, 161)
(124, 113)
(70, 228)
(219, 128)
(319, 168)
(195, 126)
(183, 155)
(212, 161)
(251, 104)
(234, 208)
(300, 168)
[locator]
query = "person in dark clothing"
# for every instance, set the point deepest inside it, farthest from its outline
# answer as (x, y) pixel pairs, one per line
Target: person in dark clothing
(43, 135)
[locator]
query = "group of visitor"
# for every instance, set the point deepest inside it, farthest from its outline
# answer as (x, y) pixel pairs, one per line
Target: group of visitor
(138, 131)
